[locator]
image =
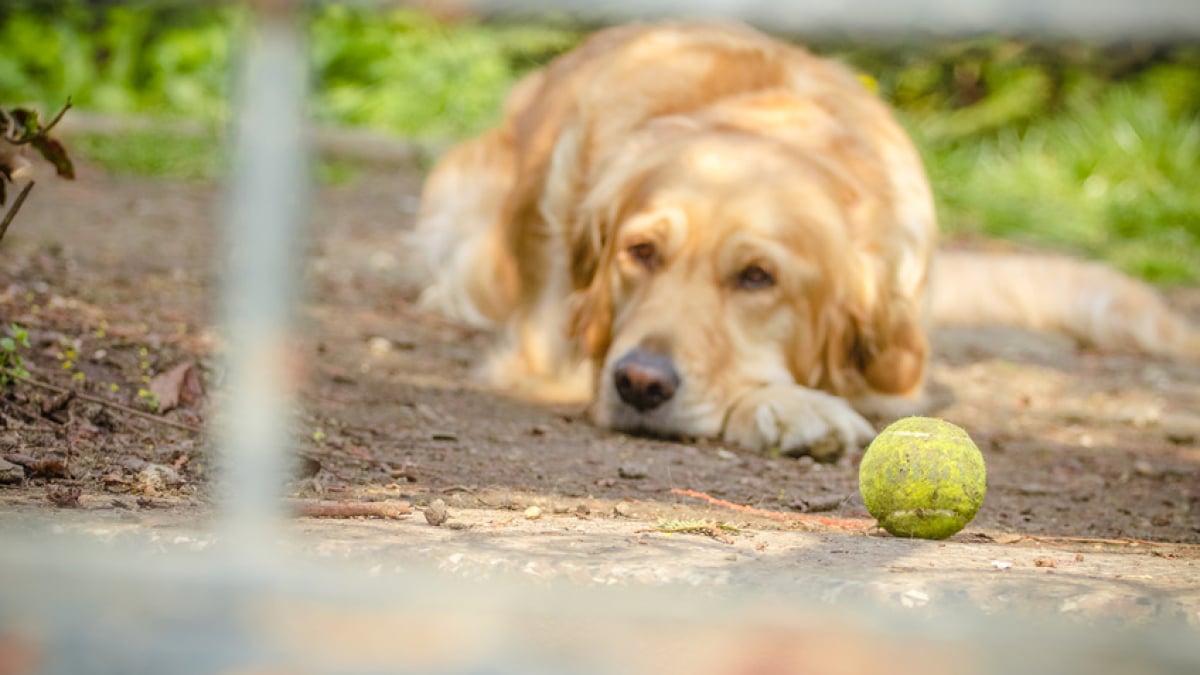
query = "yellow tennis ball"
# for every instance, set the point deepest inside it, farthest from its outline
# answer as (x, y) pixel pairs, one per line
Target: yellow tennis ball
(922, 477)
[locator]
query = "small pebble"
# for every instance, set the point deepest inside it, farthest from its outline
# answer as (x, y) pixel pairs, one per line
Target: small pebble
(1145, 469)
(378, 346)
(623, 509)
(824, 503)
(1182, 429)
(1034, 490)
(436, 513)
(632, 471)
(533, 513)
(11, 474)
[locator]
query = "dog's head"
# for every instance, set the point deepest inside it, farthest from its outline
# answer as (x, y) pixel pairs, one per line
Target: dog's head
(712, 262)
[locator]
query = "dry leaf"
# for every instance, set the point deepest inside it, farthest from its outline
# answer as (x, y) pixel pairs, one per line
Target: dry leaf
(178, 386)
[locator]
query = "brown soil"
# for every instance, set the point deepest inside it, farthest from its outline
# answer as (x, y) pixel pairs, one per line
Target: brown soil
(114, 275)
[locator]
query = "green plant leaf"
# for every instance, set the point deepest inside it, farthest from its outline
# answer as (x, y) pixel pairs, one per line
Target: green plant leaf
(19, 334)
(27, 120)
(8, 344)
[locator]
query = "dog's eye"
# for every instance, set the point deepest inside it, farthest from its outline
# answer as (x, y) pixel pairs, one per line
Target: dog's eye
(645, 254)
(754, 277)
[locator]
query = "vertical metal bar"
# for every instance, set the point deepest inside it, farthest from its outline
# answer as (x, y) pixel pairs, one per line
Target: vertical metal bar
(263, 226)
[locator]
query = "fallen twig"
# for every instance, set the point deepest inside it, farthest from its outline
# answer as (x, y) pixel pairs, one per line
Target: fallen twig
(846, 524)
(1119, 541)
(52, 466)
(105, 402)
(457, 488)
(390, 510)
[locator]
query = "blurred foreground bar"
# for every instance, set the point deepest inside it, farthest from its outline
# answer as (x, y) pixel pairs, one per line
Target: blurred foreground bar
(1087, 19)
(263, 235)
(87, 609)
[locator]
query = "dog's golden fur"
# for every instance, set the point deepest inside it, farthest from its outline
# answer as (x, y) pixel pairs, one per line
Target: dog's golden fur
(746, 210)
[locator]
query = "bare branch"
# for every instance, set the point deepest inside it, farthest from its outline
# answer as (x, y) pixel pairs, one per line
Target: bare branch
(27, 138)
(57, 118)
(12, 211)
(111, 404)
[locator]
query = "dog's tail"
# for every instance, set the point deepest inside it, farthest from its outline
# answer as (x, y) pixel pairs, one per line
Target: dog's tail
(1090, 302)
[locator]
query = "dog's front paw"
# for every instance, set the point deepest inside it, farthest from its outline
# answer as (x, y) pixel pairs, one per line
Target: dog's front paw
(796, 421)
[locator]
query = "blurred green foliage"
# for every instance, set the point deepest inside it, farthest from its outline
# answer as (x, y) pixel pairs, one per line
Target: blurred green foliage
(397, 69)
(1082, 148)
(1078, 148)
(405, 71)
(167, 58)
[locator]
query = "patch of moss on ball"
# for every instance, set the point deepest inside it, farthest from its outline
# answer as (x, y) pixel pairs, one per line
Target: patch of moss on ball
(922, 477)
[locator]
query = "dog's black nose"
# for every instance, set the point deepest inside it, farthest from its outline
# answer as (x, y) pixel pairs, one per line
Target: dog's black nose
(645, 379)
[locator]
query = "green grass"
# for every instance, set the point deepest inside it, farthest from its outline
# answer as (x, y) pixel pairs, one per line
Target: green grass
(1113, 178)
(153, 153)
(167, 59)
(177, 156)
(1080, 148)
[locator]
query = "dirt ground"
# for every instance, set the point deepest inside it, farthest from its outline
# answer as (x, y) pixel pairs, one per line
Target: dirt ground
(114, 278)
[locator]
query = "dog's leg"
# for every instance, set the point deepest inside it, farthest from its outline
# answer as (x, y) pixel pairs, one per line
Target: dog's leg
(471, 274)
(796, 420)
(1090, 302)
(534, 359)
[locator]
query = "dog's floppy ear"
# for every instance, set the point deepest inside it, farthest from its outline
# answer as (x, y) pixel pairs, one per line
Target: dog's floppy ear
(591, 245)
(891, 349)
(591, 321)
(587, 211)
(595, 199)
(874, 330)
(591, 252)
(863, 337)
(883, 347)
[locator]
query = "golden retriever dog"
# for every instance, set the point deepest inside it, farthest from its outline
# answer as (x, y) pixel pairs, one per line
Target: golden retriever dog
(706, 232)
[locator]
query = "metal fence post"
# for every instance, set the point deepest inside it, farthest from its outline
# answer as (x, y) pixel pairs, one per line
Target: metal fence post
(268, 195)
